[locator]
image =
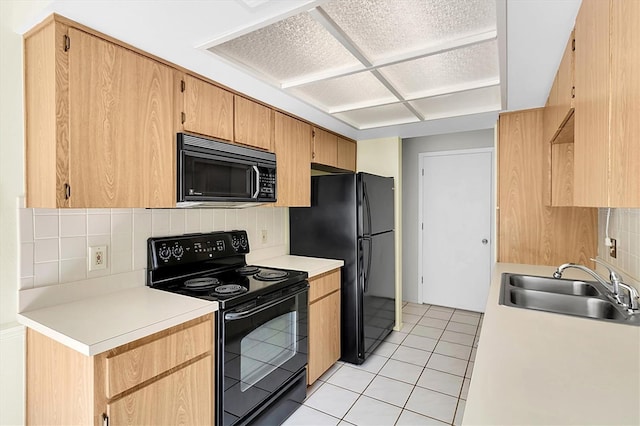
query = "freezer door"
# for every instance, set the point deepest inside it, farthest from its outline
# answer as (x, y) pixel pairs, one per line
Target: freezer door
(377, 275)
(375, 204)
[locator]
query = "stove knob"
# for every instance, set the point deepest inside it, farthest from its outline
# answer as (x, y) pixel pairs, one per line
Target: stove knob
(243, 242)
(164, 253)
(235, 243)
(178, 251)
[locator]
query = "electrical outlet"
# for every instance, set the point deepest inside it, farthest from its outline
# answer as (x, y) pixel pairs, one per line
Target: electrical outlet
(265, 236)
(97, 258)
(613, 251)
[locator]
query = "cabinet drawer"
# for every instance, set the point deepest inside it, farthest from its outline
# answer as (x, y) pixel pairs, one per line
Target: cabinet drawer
(324, 284)
(134, 366)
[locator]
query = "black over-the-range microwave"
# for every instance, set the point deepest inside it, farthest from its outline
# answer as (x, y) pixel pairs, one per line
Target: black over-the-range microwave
(212, 173)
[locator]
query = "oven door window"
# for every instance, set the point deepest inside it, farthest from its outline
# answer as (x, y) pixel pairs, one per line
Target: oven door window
(212, 177)
(262, 352)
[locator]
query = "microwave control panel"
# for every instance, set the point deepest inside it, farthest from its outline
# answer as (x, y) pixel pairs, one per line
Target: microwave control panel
(267, 183)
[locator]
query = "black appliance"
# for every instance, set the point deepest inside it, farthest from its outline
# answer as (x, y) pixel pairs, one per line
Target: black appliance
(261, 325)
(218, 174)
(352, 218)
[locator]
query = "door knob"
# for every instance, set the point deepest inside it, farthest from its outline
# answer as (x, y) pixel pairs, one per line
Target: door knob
(485, 241)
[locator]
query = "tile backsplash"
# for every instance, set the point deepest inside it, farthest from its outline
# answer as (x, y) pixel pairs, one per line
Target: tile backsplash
(54, 242)
(624, 227)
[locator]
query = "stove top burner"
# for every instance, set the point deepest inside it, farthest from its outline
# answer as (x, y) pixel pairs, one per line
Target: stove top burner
(230, 289)
(270, 275)
(248, 270)
(201, 283)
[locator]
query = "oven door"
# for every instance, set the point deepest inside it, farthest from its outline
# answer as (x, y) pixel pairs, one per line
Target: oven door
(264, 348)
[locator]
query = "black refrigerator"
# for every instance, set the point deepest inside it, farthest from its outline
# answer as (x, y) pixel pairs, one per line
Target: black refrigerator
(351, 218)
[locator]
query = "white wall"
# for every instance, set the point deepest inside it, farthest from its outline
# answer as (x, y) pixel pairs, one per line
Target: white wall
(410, 184)
(12, 14)
(384, 157)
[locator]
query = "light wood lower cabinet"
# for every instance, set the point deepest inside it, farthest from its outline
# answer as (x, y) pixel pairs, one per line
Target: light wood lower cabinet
(324, 324)
(165, 378)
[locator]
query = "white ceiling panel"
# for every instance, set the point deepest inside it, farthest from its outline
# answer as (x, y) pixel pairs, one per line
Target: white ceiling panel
(348, 92)
(414, 79)
(462, 103)
(291, 49)
(383, 28)
(385, 115)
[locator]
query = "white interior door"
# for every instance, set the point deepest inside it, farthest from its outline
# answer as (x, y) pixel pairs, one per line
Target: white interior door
(456, 238)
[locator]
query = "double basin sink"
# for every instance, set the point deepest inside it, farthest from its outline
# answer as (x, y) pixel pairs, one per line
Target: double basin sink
(561, 296)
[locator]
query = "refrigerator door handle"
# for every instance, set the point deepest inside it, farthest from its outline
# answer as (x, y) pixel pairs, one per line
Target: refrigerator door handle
(368, 206)
(367, 270)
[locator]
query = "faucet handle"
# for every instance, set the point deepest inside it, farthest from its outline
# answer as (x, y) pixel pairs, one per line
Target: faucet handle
(613, 275)
(633, 297)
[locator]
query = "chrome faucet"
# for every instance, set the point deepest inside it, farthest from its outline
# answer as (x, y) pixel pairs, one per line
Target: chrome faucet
(613, 286)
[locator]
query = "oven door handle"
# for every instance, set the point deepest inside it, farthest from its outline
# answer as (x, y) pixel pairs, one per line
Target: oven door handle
(231, 316)
(255, 195)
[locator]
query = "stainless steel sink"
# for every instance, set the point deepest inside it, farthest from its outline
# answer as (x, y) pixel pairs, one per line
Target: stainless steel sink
(576, 288)
(568, 297)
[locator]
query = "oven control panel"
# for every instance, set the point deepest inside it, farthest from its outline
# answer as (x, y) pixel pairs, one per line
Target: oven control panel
(194, 248)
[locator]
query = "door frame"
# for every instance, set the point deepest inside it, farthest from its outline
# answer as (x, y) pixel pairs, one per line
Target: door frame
(421, 159)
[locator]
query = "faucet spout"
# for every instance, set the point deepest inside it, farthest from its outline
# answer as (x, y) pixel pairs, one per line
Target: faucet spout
(558, 273)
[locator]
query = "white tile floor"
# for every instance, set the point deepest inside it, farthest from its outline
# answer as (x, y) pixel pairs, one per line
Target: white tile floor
(419, 376)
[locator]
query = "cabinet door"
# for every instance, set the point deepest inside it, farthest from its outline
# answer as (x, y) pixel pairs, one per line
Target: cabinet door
(293, 153)
(346, 154)
(325, 148)
(591, 150)
(184, 397)
(624, 184)
(324, 335)
(122, 141)
(252, 123)
(565, 78)
(208, 109)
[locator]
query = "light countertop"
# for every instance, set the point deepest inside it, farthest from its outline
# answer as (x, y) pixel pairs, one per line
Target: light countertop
(97, 324)
(543, 368)
(312, 265)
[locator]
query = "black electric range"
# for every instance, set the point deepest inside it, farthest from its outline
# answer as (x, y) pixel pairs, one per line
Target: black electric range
(261, 324)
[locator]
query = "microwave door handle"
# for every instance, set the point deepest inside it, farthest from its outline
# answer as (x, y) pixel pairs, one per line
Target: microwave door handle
(255, 194)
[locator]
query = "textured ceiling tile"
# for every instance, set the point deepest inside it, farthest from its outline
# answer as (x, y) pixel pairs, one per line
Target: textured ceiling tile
(385, 115)
(290, 49)
(414, 79)
(463, 103)
(348, 92)
(384, 28)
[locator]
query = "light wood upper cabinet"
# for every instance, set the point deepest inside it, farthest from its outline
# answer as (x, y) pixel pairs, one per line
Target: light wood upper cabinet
(292, 144)
(207, 109)
(325, 148)
(607, 129)
(166, 378)
(530, 232)
(346, 154)
(560, 103)
(93, 111)
(252, 124)
(324, 324)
